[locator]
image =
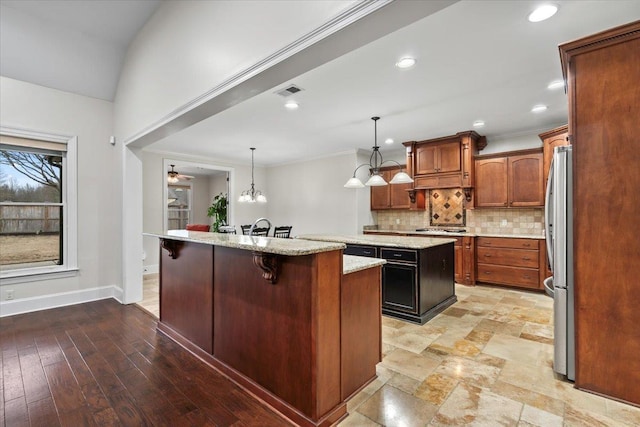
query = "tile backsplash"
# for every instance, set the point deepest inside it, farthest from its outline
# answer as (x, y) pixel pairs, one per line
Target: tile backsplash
(446, 207)
(479, 221)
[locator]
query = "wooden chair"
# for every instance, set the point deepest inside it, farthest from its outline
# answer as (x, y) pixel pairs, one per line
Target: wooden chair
(258, 231)
(283, 231)
(198, 227)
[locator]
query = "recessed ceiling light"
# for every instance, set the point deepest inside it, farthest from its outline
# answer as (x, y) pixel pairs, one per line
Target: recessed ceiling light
(543, 12)
(388, 141)
(291, 105)
(406, 62)
(538, 108)
(556, 84)
(478, 123)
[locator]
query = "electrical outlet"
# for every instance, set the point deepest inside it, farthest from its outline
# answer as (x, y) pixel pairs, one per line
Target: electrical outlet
(397, 220)
(503, 223)
(9, 294)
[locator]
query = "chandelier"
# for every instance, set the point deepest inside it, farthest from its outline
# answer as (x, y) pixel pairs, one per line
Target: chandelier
(375, 163)
(252, 195)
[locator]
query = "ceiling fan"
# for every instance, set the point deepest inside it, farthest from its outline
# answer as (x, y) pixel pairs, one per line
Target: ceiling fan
(173, 176)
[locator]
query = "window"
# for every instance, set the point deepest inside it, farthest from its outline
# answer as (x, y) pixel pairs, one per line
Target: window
(178, 206)
(37, 204)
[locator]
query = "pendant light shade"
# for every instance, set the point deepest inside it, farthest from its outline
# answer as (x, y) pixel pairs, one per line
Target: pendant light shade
(375, 181)
(252, 195)
(375, 163)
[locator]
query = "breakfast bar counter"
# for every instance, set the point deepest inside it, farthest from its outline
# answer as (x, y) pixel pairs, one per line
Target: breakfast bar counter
(277, 316)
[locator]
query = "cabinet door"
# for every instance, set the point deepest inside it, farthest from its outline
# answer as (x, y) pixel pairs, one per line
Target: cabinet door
(449, 157)
(380, 195)
(426, 160)
(398, 194)
(491, 182)
(525, 181)
(399, 287)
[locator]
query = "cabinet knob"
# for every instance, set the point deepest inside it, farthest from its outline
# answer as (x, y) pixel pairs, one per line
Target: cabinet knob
(444, 264)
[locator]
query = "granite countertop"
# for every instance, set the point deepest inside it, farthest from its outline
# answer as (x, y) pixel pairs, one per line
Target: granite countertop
(272, 245)
(352, 263)
(445, 233)
(388, 241)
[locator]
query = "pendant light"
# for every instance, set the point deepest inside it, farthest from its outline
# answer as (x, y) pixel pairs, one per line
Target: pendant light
(251, 195)
(375, 163)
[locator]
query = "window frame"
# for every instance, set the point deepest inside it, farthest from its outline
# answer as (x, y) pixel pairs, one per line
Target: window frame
(69, 266)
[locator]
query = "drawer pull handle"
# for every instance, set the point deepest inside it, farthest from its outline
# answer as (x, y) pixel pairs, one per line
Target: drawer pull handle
(366, 252)
(526, 244)
(487, 255)
(487, 272)
(397, 255)
(526, 277)
(526, 258)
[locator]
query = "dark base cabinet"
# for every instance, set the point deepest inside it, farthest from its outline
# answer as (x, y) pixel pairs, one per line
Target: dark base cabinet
(417, 284)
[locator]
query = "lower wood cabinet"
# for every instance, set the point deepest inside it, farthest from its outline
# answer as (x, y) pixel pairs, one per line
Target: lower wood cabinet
(511, 261)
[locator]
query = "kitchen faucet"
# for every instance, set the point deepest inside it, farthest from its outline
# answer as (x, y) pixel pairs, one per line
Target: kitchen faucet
(256, 223)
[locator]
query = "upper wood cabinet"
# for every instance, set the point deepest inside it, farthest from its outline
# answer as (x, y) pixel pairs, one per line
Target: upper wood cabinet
(550, 140)
(438, 158)
(445, 162)
(510, 180)
(392, 196)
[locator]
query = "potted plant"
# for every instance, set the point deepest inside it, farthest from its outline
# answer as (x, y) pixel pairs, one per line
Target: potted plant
(218, 210)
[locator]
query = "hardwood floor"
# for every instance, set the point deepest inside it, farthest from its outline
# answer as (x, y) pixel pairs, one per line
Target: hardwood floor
(103, 364)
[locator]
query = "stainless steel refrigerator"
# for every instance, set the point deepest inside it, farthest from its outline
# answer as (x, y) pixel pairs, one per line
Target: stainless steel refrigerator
(559, 239)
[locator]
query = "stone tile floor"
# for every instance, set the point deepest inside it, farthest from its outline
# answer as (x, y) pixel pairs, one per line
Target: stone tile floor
(485, 361)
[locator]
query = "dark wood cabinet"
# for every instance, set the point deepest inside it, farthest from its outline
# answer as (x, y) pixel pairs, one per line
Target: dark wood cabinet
(550, 140)
(417, 284)
(391, 196)
(510, 180)
(602, 73)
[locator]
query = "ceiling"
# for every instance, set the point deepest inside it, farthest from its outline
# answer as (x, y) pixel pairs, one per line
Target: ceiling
(71, 45)
(476, 60)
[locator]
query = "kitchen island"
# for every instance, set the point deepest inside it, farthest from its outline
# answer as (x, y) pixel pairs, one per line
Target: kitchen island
(291, 321)
(418, 278)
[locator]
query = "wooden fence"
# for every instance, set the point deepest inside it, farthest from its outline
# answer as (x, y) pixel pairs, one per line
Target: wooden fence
(27, 219)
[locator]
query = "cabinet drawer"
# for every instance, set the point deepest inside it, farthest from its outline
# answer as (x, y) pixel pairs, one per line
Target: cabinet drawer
(502, 242)
(360, 250)
(516, 276)
(399, 255)
(438, 181)
(512, 257)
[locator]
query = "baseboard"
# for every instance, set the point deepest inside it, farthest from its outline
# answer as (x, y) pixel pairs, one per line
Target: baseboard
(151, 269)
(45, 302)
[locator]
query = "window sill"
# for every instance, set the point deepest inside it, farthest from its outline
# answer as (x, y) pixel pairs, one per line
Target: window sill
(37, 274)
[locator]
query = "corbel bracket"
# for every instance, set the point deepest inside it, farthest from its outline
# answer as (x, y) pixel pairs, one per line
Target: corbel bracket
(171, 246)
(268, 263)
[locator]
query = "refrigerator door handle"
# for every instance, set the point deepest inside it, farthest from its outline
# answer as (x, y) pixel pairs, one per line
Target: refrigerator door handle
(547, 217)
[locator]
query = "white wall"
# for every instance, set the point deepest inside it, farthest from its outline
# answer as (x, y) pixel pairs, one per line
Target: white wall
(28, 106)
(310, 196)
(502, 143)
